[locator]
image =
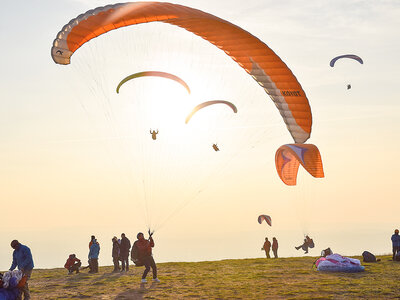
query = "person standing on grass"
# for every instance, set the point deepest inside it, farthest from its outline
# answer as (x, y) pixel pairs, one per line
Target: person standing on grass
(395, 243)
(141, 252)
(22, 258)
(94, 257)
(124, 252)
(275, 247)
(115, 254)
(266, 247)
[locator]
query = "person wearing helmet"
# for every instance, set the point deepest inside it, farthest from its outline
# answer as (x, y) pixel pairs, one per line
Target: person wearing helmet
(396, 243)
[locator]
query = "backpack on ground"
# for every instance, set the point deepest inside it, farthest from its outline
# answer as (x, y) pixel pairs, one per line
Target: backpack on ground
(368, 257)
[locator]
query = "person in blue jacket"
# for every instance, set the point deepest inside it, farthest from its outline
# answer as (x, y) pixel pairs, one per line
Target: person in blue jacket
(22, 258)
(94, 257)
(395, 243)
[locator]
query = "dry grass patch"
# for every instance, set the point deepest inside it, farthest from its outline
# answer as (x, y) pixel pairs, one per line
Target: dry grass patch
(283, 278)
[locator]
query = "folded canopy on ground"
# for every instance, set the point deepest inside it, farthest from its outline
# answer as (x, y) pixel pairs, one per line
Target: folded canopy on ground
(254, 56)
(338, 263)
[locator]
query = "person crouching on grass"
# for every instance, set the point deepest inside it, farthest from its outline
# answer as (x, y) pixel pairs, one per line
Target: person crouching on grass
(73, 264)
(141, 254)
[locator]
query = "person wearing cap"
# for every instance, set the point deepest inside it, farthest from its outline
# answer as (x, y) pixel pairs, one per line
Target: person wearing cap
(396, 243)
(115, 254)
(141, 251)
(22, 258)
(73, 264)
(94, 257)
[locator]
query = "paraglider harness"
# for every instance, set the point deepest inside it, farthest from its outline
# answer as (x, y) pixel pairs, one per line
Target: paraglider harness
(135, 253)
(369, 257)
(324, 253)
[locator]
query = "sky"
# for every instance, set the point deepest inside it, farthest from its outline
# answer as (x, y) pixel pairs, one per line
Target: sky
(77, 159)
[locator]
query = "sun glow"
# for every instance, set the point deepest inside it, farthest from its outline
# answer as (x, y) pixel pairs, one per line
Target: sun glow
(160, 176)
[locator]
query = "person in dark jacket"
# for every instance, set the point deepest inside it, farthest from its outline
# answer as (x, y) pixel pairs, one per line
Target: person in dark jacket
(266, 247)
(395, 243)
(115, 254)
(141, 251)
(73, 264)
(275, 247)
(94, 257)
(22, 258)
(124, 252)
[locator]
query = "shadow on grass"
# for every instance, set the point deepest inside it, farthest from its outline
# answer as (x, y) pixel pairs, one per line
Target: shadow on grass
(345, 274)
(95, 277)
(136, 294)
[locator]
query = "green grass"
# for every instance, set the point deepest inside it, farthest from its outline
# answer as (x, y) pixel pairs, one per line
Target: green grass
(283, 278)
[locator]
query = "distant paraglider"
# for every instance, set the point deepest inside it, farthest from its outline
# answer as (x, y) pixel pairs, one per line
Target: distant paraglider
(208, 103)
(215, 147)
(351, 56)
(265, 218)
(154, 74)
(154, 134)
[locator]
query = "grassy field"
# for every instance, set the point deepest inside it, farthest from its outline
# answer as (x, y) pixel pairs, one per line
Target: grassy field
(283, 278)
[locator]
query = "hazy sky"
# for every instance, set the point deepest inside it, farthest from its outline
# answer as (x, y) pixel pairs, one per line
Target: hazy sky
(76, 159)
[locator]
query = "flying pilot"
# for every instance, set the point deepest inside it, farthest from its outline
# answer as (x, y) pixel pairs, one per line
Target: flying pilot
(154, 134)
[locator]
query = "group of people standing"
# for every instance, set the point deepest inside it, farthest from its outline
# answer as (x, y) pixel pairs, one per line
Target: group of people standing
(141, 255)
(267, 247)
(120, 252)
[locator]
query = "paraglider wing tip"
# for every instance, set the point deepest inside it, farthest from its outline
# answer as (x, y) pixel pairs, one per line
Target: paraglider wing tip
(118, 87)
(61, 60)
(60, 55)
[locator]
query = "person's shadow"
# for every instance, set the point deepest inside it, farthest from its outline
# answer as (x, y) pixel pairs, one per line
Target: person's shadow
(136, 294)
